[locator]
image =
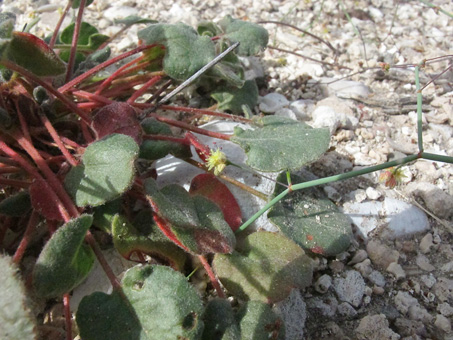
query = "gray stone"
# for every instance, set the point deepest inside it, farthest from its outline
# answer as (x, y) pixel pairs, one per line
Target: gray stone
(351, 288)
(364, 267)
(442, 323)
(377, 278)
(345, 88)
(272, 102)
(293, 311)
(436, 200)
(359, 256)
(445, 309)
(428, 280)
(443, 289)
(347, 310)
(395, 269)
(323, 284)
(326, 306)
(426, 243)
(380, 254)
(375, 327)
(408, 327)
(403, 300)
(423, 263)
(303, 108)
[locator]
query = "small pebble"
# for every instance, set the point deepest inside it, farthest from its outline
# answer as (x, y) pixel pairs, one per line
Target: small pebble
(351, 288)
(445, 309)
(359, 256)
(395, 269)
(364, 267)
(423, 263)
(426, 243)
(323, 284)
(442, 323)
(375, 327)
(378, 290)
(372, 193)
(346, 309)
(428, 280)
(273, 102)
(377, 278)
(380, 254)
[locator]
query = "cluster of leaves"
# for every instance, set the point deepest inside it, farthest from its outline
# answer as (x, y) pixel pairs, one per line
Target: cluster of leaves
(71, 144)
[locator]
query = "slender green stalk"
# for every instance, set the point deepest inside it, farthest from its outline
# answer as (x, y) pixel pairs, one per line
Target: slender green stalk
(429, 4)
(329, 179)
(437, 158)
(419, 110)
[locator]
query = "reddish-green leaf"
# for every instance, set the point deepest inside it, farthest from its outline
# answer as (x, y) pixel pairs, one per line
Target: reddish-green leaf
(118, 117)
(209, 186)
(196, 222)
(33, 54)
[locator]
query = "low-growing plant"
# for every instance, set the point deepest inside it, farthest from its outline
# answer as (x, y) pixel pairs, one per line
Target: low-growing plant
(78, 148)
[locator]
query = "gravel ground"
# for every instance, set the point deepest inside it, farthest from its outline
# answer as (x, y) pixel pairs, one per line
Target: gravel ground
(396, 280)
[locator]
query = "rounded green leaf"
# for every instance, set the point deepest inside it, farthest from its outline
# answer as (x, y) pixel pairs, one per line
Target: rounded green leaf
(15, 317)
(16, 205)
(158, 303)
(103, 215)
(258, 321)
(65, 261)
(89, 36)
(265, 267)
(33, 54)
(185, 51)
(220, 322)
(149, 240)
(281, 144)
(233, 98)
(107, 171)
(196, 222)
(252, 37)
(310, 219)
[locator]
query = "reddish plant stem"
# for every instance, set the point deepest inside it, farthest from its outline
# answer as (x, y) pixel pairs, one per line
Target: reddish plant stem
(9, 169)
(52, 226)
(48, 125)
(115, 74)
(214, 281)
(189, 127)
(99, 67)
(8, 161)
(75, 40)
(92, 97)
(67, 316)
(48, 173)
(102, 261)
(204, 112)
(31, 225)
(20, 160)
(66, 101)
(143, 89)
(14, 183)
(59, 23)
(23, 122)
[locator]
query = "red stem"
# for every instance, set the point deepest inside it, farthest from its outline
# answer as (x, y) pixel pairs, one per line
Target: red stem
(71, 160)
(9, 169)
(93, 97)
(59, 23)
(189, 127)
(143, 89)
(14, 183)
(75, 40)
(32, 223)
(23, 122)
(103, 262)
(204, 112)
(115, 74)
(214, 281)
(66, 101)
(99, 67)
(67, 316)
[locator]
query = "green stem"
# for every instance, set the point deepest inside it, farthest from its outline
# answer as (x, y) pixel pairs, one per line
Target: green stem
(429, 4)
(325, 180)
(419, 110)
(437, 158)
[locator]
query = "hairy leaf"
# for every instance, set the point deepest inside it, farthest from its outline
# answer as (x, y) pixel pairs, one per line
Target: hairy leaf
(33, 54)
(220, 322)
(186, 51)
(16, 205)
(89, 37)
(209, 186)
(150, 241)
(160, 304)
(103, 215)
(311, 220)
(265, 267)
(233, 98)
(281, 144)
(196, 222)
(252, 37)
(107, 171)
(134, 19)
(65, 261)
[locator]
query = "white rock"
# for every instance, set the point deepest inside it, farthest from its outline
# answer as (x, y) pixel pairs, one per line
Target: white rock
(346, 309)
(423, 263)
(437, 201)
(345, 88)
(447, 267)
(326, 117)
(443, 323)
(303, 108)
(293, 311)
(375, 327)
(323, 284)
(327, 307)
(377, 278)
(351, 288)
(119, 12)
(417, 312)
(403, 300)
(428, 280)
(272, 102)
(426, 243)
(399, 218)
(395, 269)
(364, 267)
(372, 193)
(444, 289)
(287, 113)
(445, 309)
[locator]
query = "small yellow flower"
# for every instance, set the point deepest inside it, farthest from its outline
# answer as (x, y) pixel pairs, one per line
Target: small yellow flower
(217, 161)
(392, 177)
